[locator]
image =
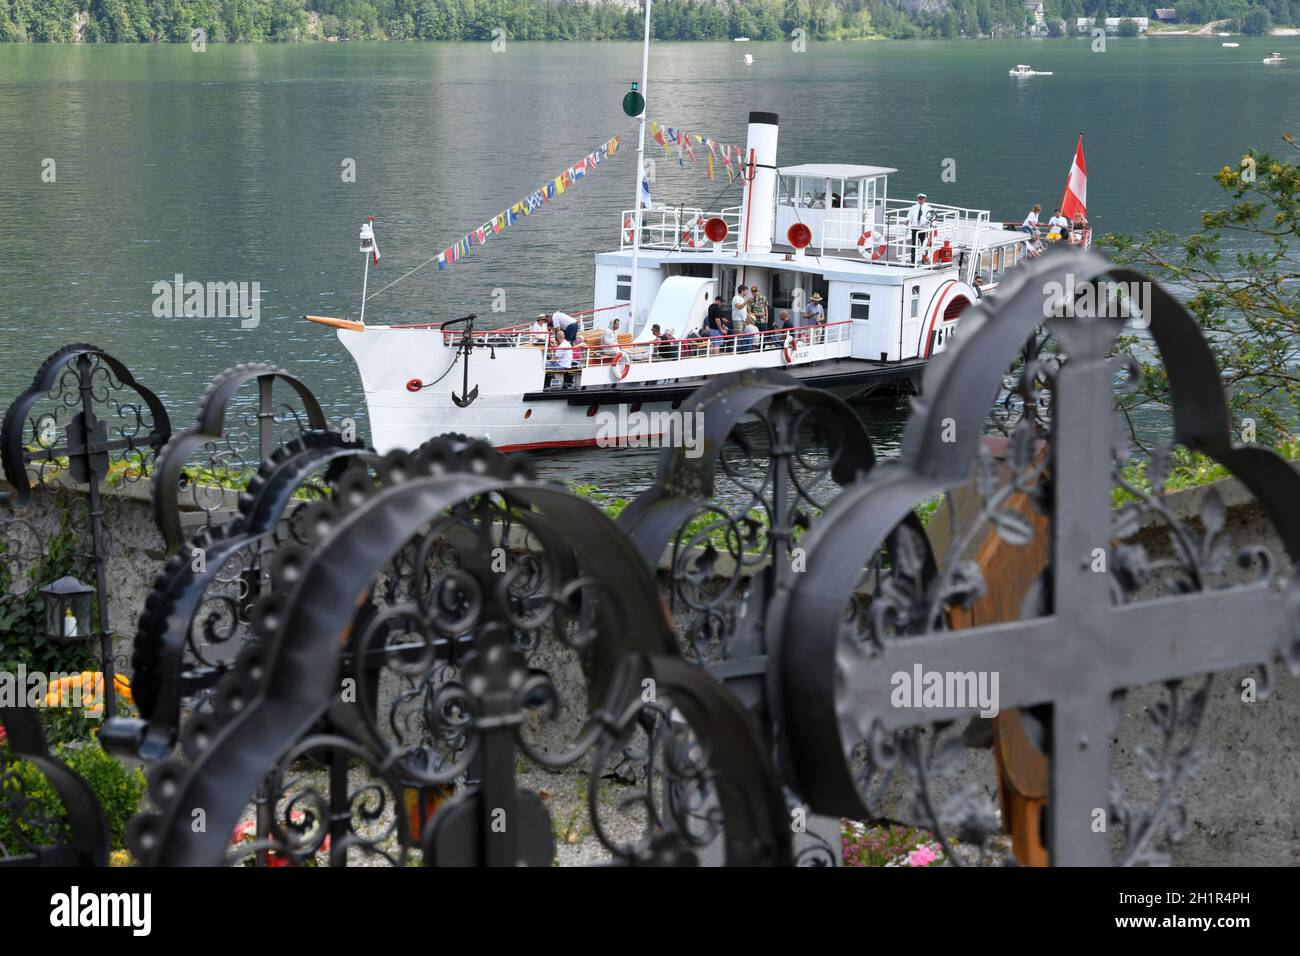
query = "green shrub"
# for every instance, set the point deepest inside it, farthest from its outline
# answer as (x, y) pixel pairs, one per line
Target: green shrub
(118, 789)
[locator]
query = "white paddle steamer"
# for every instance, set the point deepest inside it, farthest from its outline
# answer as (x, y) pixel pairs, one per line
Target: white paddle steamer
(894, 281)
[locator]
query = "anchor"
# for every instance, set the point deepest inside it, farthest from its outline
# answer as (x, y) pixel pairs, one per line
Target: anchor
(466, 348)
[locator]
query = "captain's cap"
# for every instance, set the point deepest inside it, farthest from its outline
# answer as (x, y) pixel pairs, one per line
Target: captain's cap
(920, 195)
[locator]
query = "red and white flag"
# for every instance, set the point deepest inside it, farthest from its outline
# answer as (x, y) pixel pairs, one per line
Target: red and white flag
(1075, 200)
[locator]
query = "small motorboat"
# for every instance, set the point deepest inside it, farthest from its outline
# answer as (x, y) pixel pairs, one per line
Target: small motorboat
(749, 59)
(1233, 45)
(1275, 58)
(741, 39)
(1024, 69)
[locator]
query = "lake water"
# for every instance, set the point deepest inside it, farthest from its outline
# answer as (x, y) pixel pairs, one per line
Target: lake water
(226, 166)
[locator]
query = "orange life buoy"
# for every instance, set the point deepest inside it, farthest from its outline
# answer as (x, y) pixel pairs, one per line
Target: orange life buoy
(622, 365)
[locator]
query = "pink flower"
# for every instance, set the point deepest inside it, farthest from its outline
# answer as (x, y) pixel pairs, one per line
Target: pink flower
(921, 856)
(242, 830)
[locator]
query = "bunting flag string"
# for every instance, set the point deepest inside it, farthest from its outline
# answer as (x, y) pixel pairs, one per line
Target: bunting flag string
(681, 144)
(534, 201)
(676, 142)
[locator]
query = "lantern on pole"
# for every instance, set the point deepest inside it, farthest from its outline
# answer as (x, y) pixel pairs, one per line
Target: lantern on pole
(67, 610)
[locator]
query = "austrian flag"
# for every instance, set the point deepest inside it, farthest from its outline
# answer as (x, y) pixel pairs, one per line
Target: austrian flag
(1075, 200)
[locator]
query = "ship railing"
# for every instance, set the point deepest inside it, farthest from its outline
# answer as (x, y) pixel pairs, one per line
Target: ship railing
(1076, 237)
(891, 242)
(677, 227)
(735, 343)
(514, 336)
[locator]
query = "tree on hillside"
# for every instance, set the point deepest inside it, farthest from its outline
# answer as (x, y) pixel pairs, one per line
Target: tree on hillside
(1257, 22)
(1243, 269)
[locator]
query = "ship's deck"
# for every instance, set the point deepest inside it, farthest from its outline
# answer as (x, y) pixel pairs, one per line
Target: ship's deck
(857, 377)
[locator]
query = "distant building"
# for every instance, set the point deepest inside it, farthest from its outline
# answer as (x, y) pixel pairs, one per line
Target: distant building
(1035, 9)
(1085, 24)
(1166, 14)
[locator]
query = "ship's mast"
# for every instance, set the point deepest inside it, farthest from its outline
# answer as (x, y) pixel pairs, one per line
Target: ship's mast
(640, 172)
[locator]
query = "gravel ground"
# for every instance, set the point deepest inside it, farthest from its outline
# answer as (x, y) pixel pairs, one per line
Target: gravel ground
(565, 795)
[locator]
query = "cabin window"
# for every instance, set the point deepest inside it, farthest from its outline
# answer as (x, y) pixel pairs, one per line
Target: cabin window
(997, 260)
(914, 309)
(852, 196)
(860, 306)
(623, 287)
(787, 191)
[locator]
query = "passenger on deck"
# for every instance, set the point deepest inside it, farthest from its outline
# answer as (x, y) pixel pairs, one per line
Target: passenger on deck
(918, 218)
(539, 333)
(665, 353)
(749, 339)
(814, 313)
(757, 310)
(567, 324)
(561, 356)
(1030, 225)
(1058, 227)
(609, 337)
(1080, 226)
(979, 288)
(717, 317)
(739, 309)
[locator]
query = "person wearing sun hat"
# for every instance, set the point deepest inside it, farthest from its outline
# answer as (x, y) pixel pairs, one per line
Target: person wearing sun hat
(815, 314)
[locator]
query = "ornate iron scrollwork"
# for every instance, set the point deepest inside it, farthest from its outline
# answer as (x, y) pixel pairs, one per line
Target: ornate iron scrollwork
(463, 630)
(234, 451)
(83, 423)
(1085, 636)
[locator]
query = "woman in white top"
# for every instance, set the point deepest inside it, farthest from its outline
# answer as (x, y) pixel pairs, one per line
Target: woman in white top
(1030, 225)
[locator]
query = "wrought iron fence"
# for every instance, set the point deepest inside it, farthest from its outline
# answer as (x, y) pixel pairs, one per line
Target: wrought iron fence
(363, 661)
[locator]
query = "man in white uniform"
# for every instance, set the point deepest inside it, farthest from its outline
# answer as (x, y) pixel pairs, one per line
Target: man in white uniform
(918, 217)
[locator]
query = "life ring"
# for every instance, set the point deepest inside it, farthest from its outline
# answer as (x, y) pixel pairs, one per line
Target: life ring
(621, 366)
(414, 385)
(787, 350)
(628, 225)
(869, 250)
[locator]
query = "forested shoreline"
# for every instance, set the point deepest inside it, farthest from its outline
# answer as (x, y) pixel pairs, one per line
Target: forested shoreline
(154, 21)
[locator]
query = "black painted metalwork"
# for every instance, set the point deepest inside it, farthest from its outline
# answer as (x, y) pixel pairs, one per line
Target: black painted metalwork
(1086, 636)
(481, 621)
(231, 450)
(83, 416)
(442, 623)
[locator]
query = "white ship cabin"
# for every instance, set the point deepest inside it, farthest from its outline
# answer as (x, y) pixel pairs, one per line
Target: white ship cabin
(830, 229)
(892, 291)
